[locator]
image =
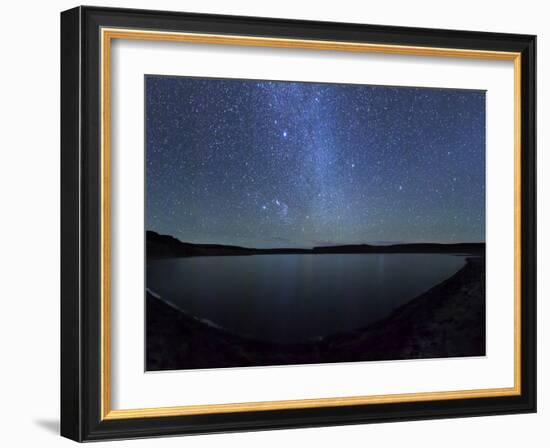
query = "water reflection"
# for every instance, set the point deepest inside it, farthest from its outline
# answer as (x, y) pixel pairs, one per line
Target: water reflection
(290, 298)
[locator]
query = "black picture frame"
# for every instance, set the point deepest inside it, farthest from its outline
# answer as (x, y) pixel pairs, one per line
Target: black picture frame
(81, 380)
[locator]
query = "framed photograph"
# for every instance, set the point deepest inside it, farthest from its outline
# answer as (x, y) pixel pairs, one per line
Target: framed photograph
(274, 224)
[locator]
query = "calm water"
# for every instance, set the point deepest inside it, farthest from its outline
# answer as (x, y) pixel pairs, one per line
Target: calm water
(296, 297)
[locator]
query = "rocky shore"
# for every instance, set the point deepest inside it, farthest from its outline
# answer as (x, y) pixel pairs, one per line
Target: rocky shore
(446, 321)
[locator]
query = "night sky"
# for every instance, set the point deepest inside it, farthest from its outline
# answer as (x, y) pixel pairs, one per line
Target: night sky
(292, 164)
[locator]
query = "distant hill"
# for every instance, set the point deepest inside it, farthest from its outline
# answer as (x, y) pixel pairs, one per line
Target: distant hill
(163, 246)
(469, 248)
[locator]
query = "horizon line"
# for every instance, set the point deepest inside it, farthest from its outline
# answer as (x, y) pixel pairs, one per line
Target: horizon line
(329, 245)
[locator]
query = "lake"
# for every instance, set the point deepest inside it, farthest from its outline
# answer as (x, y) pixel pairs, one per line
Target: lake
(291, 298)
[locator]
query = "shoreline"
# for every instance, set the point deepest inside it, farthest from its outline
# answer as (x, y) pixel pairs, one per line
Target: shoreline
(448, 320)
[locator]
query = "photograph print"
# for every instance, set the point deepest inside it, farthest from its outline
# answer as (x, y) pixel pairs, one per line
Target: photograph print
(306, 223)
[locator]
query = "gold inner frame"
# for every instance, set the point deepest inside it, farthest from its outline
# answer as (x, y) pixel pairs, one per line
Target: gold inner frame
(107, 35)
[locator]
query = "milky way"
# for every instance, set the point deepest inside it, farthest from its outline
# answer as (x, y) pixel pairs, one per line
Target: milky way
(293, 164)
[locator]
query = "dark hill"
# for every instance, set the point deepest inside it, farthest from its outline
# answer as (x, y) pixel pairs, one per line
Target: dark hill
(163, 246)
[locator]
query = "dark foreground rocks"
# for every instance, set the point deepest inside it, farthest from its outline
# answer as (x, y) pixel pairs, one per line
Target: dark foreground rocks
(446, 321)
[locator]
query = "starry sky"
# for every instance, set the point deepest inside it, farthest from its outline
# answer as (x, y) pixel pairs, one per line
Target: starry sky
(292, 164)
